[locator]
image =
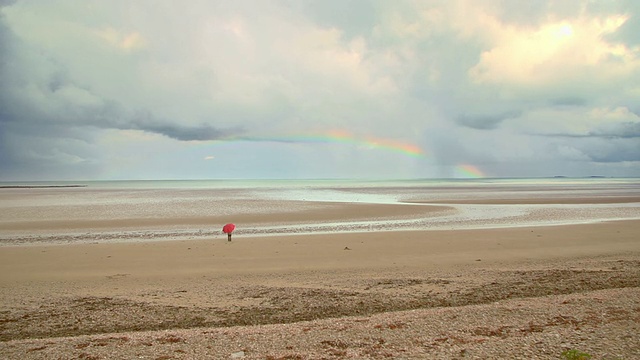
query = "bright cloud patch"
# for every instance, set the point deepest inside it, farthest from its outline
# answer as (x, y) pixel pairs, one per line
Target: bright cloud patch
(553, 52)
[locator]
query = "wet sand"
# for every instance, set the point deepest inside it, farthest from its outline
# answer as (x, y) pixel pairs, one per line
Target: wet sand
(257, 255)
(412, 294)
(287, 212)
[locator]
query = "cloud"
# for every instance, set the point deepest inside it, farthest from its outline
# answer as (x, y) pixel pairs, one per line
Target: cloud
(124, 41)
(200, 133)
(556, 51)
(604, 122)
(486, 122)
(488, 83)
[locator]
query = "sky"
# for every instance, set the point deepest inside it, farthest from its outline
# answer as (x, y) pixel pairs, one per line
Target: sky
(264, 89)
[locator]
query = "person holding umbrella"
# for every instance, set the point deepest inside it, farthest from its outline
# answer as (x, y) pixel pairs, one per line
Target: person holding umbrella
(228, 229)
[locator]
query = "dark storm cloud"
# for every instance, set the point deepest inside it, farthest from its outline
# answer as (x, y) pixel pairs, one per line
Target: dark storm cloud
(54, 116)
(625, 130)
(6, 61)
(614, 151)
(7, 160)
(486, 122)
(622, 130)
(184, 133)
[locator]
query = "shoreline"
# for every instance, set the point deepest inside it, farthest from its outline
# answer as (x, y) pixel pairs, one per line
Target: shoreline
(153, 236)
(290, 218)
(583, 200)
(405, 248)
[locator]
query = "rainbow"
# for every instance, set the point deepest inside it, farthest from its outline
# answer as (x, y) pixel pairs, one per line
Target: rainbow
(340, 137)
(343, 137)
(469, 171)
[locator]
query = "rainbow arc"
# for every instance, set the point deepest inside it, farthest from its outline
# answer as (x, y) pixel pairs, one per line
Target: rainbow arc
(469, 171)
(340, 137)
(343, 137)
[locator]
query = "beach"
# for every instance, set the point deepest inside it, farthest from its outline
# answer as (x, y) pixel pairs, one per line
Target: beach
(486, 273)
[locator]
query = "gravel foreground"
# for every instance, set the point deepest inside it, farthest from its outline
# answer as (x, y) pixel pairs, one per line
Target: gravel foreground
(534, 311)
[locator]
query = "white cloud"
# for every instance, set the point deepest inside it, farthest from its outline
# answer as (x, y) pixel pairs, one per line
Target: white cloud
(556, 51)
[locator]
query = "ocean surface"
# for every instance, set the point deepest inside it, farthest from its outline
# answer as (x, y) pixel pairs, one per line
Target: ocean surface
(77, 211)
(333, 183)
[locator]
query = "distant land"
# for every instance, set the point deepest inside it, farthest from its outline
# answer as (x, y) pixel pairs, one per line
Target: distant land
(590, 177)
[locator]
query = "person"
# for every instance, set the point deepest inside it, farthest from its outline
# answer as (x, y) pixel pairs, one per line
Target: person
(228, 229)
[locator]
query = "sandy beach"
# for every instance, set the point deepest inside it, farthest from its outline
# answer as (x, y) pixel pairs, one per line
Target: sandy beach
(527, 292)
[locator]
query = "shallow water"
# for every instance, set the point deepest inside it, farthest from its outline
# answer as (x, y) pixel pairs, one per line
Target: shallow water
(189, 199)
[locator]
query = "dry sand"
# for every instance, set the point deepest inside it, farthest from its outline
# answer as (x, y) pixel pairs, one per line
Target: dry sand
(528, 293)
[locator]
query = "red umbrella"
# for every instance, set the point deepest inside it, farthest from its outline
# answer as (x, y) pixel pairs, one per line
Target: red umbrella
(228, 229)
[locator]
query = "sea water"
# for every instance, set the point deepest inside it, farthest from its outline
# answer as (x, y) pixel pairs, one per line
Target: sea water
(117, 200)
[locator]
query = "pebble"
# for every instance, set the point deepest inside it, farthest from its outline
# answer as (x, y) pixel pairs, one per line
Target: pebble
(237, 355)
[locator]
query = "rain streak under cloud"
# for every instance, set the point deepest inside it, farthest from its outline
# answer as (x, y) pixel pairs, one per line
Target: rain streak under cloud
(318, 89)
